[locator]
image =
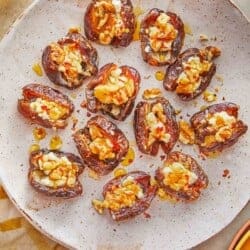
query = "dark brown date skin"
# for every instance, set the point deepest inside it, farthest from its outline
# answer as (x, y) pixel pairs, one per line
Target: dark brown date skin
(94, 105)
(174, 70)
(89, 63)
(200, 126)
(177, 44)
(33, 91)
(127, 15)
(193, 191)
(82, 138)
(141, 205)
(62, 192)
(142, 133)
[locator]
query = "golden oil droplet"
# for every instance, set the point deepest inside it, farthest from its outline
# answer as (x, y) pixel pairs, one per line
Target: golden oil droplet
(129, 158)
(136, 35)
(119, 172)
(159, 75)
(187, 29)
(75, 29)
(73, 96)
(37, 69)
(137, 11)
(164, 196)
(55, 142)
(93, 175)
(34, 147)
(39, 133)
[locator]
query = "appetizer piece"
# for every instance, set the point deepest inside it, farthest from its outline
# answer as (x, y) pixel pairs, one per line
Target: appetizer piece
(101, 144)
(154, 125)
(69, 61)
(192, 72)
(181, 178)
(162, 35)
(110, 22)
(45, 106)
(113, 91)
(126, 196)
(55, 173)
(217, 127)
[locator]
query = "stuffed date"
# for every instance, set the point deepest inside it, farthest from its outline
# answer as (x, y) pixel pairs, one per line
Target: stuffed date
(162, 35)
(217, 127)
(192, 72)
(69, 61)
(110, 22)
(101, 144)
(55, 173)
(45, 106)
(126, 196)
(155, 125)
(113, 91)
(181, 178)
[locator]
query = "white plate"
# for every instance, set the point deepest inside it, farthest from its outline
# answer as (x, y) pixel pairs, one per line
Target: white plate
(74, 222)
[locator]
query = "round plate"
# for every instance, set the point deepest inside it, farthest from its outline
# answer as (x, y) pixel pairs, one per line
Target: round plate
(74, 222)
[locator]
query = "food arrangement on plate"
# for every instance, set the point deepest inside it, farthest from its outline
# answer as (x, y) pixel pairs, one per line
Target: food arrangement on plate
(111, 92)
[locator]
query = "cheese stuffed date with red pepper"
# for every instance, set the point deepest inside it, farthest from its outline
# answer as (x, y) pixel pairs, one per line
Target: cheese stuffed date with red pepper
(126, 196)
(110, 22)
(45, 106)
(217, 127)
(113, 91)
(162, 35)
(181, 178)
(70, 60)
(55, 173)
(192, 72)
(155, 125)
(101, 144)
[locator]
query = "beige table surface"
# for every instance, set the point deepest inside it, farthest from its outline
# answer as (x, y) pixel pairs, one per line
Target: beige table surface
(9, 11)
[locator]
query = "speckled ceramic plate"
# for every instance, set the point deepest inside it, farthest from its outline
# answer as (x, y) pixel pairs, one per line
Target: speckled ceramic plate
(74, 222)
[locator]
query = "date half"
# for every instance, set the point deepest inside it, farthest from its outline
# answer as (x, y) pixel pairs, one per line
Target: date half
(217, 127)
(192, 72)
(155, 125)
(162, 35)
(127, 196)
(55, 173)
(113, 91)
(101, 144)
(45, 106)
(70, 60)
(181, 177)
(110, 22)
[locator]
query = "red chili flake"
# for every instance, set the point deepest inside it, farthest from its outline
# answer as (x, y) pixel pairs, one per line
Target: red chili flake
(225, 172)
(162, 157)
(84, 104)
(116, 146)
(44, 107)
(75, 121)
(146, 215)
